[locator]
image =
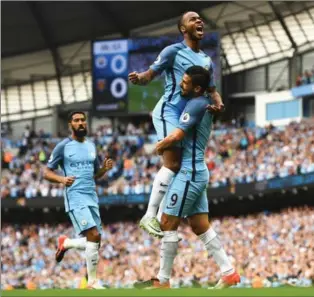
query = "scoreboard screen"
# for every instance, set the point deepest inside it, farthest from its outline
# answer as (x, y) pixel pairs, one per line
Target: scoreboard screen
(114, 59)
(110, 73)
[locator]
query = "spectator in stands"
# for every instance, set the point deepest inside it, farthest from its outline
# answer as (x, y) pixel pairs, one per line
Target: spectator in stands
(299, 81)
(268, 249)
(234, 155)
(307, 78)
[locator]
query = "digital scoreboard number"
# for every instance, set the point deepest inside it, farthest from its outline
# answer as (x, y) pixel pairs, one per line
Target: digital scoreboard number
(110, 75)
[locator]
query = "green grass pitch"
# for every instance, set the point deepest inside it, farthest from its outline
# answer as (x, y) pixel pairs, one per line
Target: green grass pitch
(287, 291)
(137, 100)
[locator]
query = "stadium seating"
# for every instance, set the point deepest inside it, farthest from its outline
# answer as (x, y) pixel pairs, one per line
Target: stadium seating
(233, 156)
(274, 248)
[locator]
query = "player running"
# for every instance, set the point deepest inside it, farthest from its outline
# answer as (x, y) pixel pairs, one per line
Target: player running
(187, 197)
(174, 60)
(77, 156)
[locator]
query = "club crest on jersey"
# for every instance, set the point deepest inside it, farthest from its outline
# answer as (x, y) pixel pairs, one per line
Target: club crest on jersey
(186, 117)
(84, 222)
(93, 155)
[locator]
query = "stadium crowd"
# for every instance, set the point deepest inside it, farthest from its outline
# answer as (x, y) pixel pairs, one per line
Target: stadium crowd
(306, 78)
(233, 156)
(140, 62)
(268, 249)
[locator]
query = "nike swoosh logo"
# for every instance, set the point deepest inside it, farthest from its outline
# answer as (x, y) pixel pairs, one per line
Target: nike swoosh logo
(71, 155)
(184, 64)
(163, 185)
(169, 207)
(152, 227)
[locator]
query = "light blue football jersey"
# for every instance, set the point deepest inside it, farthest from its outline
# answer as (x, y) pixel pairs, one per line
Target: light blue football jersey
(175, 60)
(197, 123)
(77, 159)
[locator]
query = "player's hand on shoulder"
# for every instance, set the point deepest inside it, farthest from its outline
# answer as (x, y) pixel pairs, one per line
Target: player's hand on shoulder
(215, 109)
(108, 163)
(68, 180)
(134, 78)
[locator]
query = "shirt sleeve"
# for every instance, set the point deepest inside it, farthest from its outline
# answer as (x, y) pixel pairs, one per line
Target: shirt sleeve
(56, 157)
(165, 59)
(193, 113)
(212, 81)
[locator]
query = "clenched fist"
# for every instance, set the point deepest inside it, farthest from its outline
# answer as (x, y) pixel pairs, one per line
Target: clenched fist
(68, 180)
(134, 78)
(216, 109)
(108, 164)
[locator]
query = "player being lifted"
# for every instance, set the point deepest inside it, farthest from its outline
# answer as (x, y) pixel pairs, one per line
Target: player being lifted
(174, 60)
(186, 197)
(77, 156)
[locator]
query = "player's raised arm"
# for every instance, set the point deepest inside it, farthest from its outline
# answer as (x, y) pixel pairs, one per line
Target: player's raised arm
(163, 61)
(99, 172)
(142, 78)
(217, 106)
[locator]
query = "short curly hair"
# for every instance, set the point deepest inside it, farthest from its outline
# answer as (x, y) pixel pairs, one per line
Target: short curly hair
(72, 113)
(199, 75)
(181, 20)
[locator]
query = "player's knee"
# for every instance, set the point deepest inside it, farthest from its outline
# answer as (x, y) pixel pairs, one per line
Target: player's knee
(93, 235)
(163, 223)
(94, 232)
(173, 162)
(174, 166)
(97, 237)
(196, 230)
(199, 228)
(168, 224)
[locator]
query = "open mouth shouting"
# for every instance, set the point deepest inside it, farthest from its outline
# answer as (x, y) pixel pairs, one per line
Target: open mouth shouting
(200, 30)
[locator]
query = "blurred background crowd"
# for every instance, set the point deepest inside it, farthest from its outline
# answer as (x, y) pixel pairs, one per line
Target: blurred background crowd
(268, 249)
(140, 62)
(79, 59)
(234, 154)
(306, 78)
